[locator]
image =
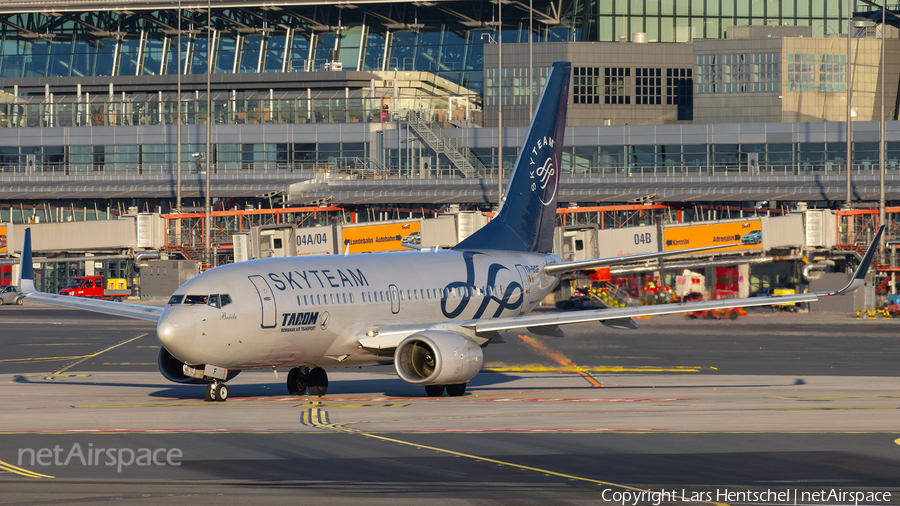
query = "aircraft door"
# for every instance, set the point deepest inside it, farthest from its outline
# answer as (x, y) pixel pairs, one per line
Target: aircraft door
(394, 294)
(266, 300)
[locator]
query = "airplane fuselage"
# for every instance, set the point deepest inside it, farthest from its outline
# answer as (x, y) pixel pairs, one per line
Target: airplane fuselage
(315, 310)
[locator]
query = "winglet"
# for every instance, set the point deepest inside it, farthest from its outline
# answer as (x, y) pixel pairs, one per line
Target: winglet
(26, 271)
(859, 277)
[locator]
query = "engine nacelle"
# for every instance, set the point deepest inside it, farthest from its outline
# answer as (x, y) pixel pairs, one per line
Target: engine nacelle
(437, 358)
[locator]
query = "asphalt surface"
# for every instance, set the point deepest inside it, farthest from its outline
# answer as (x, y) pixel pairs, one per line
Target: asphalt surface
(704, 411)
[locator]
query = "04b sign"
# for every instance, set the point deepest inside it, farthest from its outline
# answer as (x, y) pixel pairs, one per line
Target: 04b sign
(747, 235)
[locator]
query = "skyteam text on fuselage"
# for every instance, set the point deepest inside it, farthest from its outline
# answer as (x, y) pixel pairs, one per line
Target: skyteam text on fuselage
(429, 312)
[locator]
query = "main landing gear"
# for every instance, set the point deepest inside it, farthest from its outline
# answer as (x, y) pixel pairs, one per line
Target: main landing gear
(452, 390)
(302, 378)
(216, 392)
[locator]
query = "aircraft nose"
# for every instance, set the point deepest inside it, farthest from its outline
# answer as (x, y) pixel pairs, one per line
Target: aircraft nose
(176, 332)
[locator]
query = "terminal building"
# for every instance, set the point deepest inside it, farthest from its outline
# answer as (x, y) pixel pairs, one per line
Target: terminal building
(382, 108)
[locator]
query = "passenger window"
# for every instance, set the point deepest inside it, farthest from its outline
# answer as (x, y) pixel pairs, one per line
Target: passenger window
(331, 296)
(351, 298)
(214, 300)
(176, 299)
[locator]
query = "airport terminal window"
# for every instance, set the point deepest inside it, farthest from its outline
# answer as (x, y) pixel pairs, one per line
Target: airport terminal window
(832, 72)
(801, 72)
(615, 85)
(648, 86)
(586, 89)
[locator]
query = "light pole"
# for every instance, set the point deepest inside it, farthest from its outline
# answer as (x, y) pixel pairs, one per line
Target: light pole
(500, 101)
(849, 91)
(207, 211)
(881, 146)
(530, 60)
(178, 120)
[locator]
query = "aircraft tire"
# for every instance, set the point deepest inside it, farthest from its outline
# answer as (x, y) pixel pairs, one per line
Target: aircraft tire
(210, 392)
(456, 390)
(317, 381)
(220, 391)
(296, 382)
(434, 390)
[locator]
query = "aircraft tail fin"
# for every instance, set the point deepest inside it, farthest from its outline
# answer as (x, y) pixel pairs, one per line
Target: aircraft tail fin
(527, 214)
(26, 269)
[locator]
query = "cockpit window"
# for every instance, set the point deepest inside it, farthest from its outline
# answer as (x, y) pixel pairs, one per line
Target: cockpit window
(196, 299)
(176, 299)
(224, 300)
(214, 300)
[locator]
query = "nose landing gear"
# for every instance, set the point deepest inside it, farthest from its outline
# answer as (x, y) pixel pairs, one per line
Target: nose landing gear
(216, 392)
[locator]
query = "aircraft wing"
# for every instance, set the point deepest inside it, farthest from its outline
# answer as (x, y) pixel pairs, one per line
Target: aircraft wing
(27, 288)
(602, 262)
(151, 313)
(552, 319)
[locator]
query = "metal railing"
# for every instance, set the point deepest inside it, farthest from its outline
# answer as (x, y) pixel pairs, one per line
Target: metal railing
(372, 166)
(457, 152)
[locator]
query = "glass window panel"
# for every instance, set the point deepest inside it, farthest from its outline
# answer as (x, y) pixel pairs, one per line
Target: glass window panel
(250, 48)
(606, 31)
(225, 55)
(274, 56)
(299, 52)
(128, 57)
(373, 52)
(60, 56)
(325, 42)
(104, 57)
(606, 6)
(787, 8)
(199, 56)
(153, 55)
(173, 57)
(36, 59)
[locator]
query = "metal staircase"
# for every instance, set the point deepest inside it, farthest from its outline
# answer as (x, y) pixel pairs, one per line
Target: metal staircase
(457, 152)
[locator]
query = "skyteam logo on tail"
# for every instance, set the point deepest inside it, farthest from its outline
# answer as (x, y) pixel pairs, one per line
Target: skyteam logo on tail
(544, 174)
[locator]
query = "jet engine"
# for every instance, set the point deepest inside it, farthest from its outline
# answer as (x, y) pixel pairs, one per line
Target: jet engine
(437, 358)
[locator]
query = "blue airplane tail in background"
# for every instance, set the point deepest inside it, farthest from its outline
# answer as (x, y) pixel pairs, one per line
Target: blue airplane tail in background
(527, 214)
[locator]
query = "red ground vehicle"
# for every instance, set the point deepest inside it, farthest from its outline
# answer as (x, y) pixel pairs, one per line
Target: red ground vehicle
(92, 286)
(731, 312)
